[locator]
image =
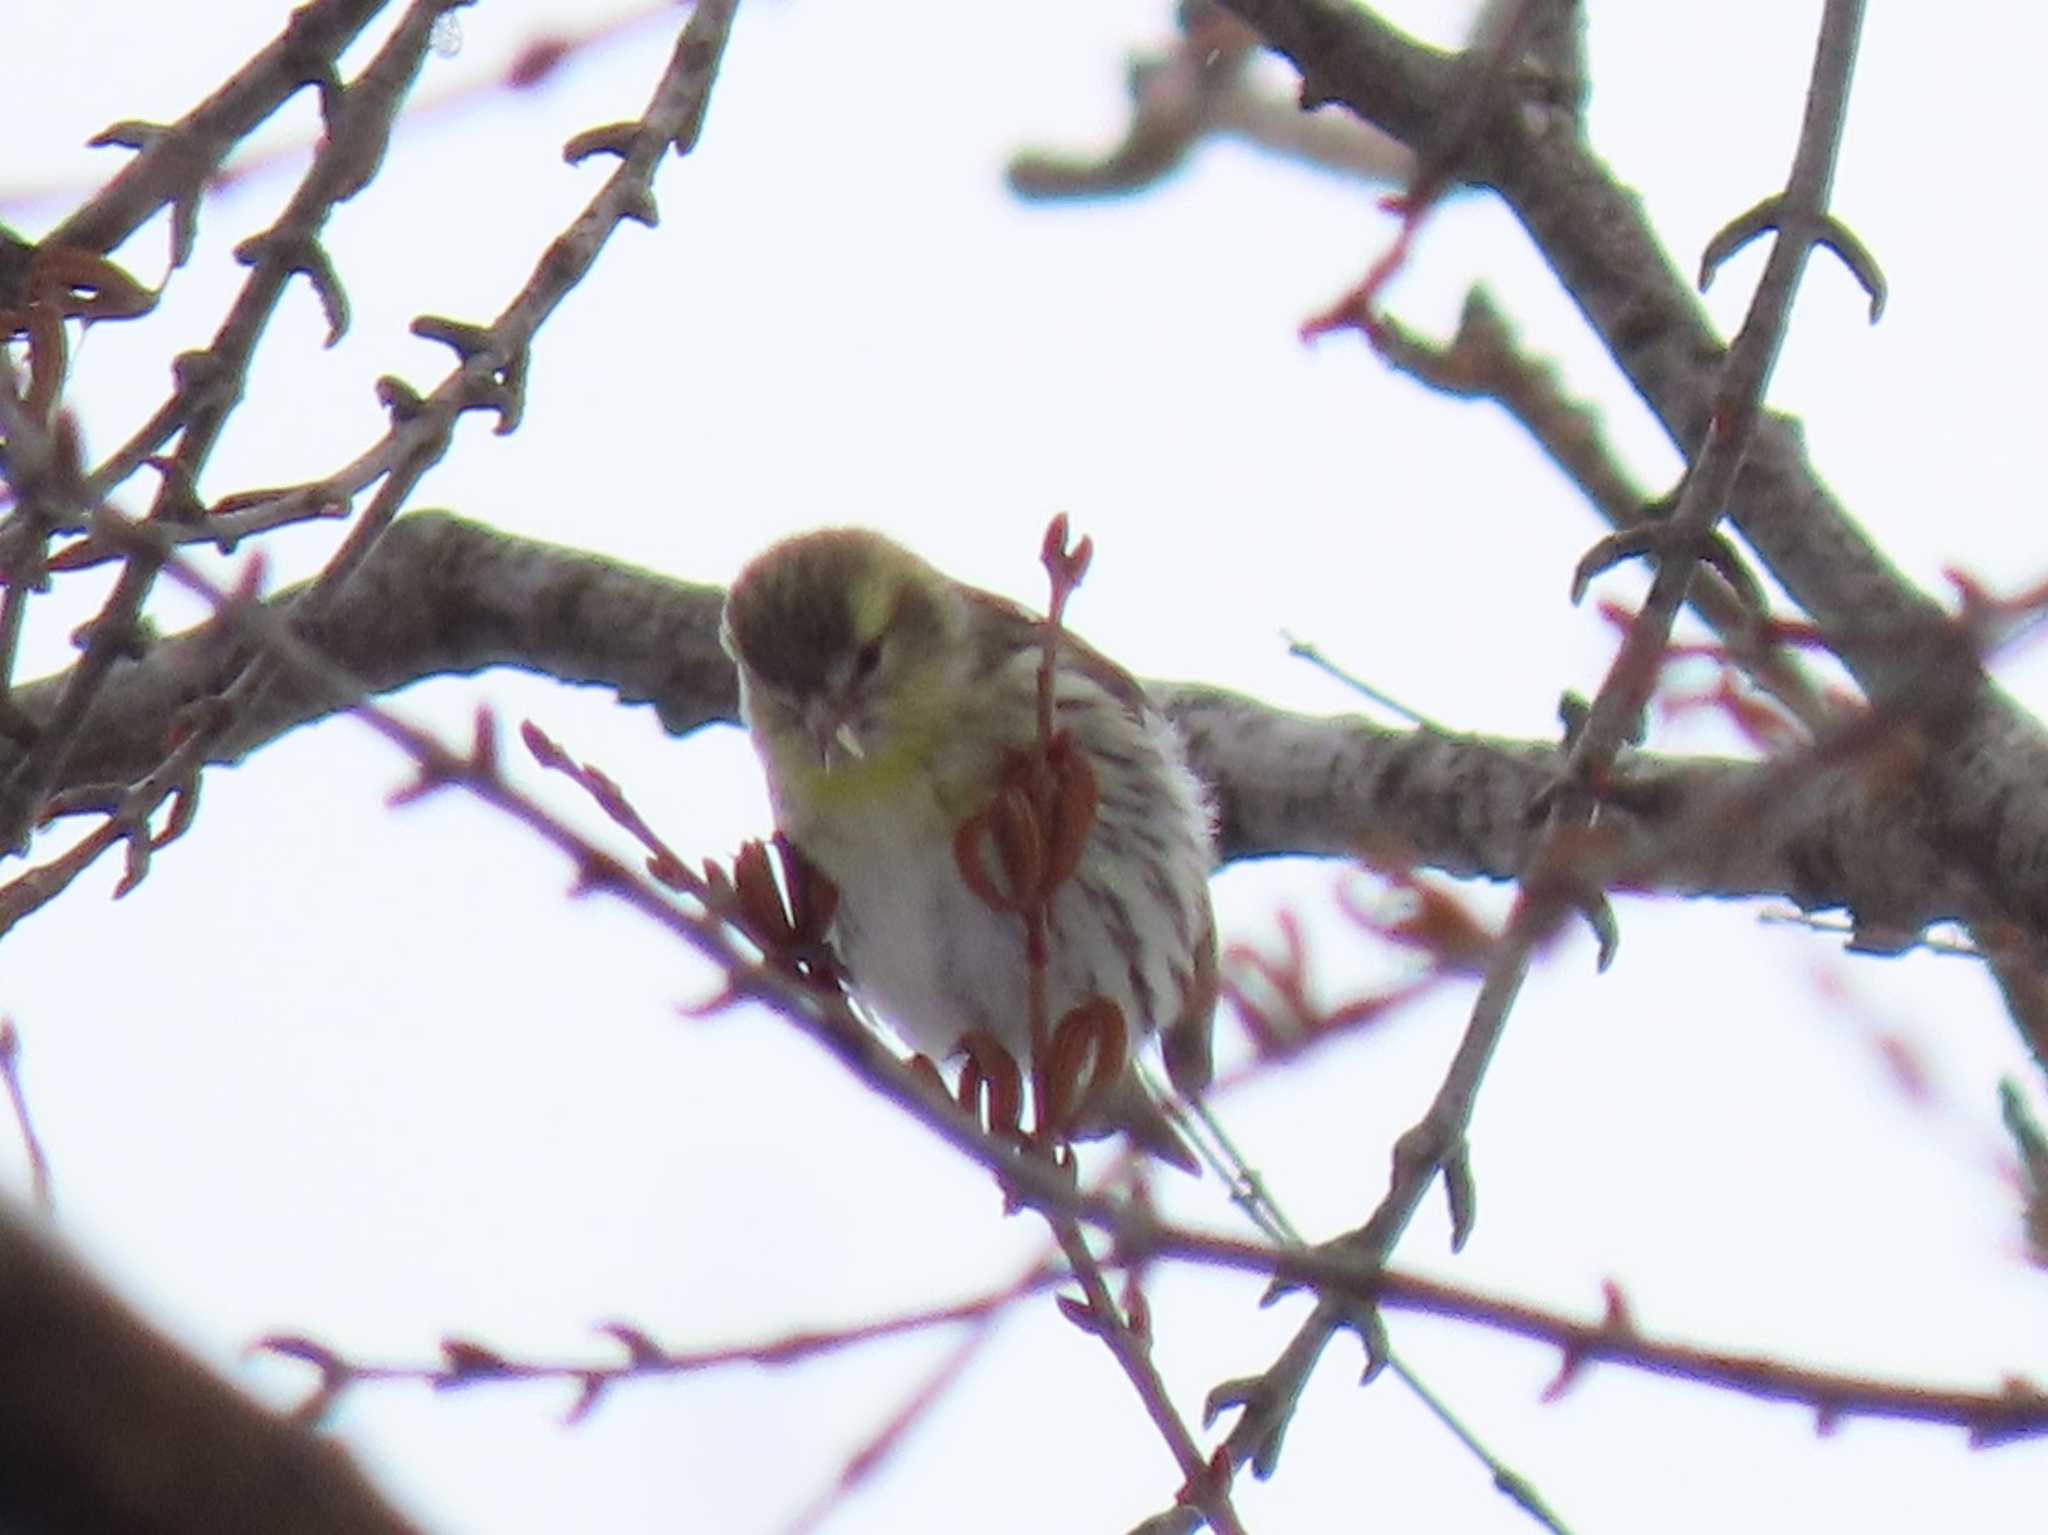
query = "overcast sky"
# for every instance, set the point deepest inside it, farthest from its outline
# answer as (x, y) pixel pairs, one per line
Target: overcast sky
(368, 1075)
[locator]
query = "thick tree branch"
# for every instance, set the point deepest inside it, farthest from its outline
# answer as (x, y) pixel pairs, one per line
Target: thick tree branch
(442, 596)
(1978, 799)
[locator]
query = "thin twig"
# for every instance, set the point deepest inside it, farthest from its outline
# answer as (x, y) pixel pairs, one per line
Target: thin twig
(41, 1190)
(1482, 361)
(1738, 402)
(2014, 1410)
(175, 161)
(1556, 880)
(1307, 650)
(874, 1451)
(488, 374)
(347, 159)
(465, 1363)
(1205, 1485)
(1249, 1193)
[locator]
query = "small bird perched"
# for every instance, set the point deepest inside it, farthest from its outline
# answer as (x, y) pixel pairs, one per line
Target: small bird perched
(891, 706)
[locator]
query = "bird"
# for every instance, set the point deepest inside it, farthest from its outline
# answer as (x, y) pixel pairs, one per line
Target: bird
(896, 712)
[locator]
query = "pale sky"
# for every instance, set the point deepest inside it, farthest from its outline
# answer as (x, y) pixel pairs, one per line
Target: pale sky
(370, 1076)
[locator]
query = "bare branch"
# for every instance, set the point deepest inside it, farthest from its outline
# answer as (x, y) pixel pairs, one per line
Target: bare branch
(175, 161)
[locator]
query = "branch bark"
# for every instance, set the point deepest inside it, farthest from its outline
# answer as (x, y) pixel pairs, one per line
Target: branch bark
(442, 596)
(1977, 795)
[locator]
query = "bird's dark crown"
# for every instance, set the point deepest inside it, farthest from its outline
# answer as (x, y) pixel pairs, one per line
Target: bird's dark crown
(810, 602)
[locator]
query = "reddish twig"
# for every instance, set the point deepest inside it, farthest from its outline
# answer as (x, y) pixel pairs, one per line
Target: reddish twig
(40, 1187)
(465, 1362)
(1439, 162)
(874, 1452)
(1205, 1480)
(2017, 1409)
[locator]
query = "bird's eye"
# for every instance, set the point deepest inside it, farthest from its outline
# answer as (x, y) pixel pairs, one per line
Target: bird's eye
(868, 659)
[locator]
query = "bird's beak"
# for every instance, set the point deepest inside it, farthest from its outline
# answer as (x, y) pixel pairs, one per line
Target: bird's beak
(832, 732)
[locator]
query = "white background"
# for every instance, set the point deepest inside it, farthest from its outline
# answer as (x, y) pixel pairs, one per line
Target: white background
(371, 1076)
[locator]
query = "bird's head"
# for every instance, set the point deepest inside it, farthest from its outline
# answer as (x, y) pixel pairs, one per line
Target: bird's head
(849, 647)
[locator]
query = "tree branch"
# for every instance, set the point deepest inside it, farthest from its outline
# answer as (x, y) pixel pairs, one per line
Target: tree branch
(441, 596)
(1978, 796)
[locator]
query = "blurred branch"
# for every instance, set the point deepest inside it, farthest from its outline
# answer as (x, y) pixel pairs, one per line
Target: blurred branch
(1198, 88)
(107, 1426)
(40, 1188)
(2031, 1146)
(873, 1453)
